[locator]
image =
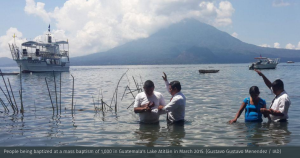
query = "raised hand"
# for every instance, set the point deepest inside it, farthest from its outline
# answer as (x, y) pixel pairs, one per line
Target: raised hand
(165, 77)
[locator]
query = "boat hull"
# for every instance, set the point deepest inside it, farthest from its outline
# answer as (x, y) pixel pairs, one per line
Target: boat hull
(208, 71)
(41, 66)
(10, 73)
(263, 66)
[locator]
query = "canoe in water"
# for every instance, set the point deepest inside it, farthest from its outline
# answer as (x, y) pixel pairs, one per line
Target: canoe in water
(208, 71)
(12, 73)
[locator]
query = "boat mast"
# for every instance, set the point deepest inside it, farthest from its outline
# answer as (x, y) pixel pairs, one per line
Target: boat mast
(68, 50)
(49, 35)
(14, 36)
(13, 48)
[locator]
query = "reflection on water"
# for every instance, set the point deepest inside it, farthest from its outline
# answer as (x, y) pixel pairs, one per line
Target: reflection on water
(147, 134)
(212, 100)
(152, 135)
(175, 132)
(279, 133)
(266, 134)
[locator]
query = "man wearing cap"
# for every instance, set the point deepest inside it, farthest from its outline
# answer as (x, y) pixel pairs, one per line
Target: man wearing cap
(176, 108)
(147, 103)
(279, 107)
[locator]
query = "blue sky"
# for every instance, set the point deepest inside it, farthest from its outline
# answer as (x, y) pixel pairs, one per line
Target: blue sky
(12, 14)
(98, 25)
(259, 22)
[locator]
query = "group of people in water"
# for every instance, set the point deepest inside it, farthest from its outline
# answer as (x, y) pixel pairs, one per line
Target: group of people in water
(150, 104)
(255, 107)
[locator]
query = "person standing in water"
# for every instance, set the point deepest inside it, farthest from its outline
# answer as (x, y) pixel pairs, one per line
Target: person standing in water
(147, 103)
(253, 106)
(279, 107)
(176, 108)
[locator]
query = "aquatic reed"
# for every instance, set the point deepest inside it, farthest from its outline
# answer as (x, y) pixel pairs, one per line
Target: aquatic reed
(72, 92)
(13, 95)
(7, 99)
(49, 93)
(94, 104)
(60, 92)
(10, 101)
(21, 94)
(116, 92)
(55, 91)
(4, 106)
(22, 110)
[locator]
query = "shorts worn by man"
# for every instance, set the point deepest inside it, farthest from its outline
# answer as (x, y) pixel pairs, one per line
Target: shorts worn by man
(147, 103)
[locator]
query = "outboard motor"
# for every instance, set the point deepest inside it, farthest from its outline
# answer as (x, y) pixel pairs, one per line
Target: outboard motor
(251, 67)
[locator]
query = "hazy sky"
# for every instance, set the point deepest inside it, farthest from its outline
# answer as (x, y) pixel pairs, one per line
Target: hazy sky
(97, 25)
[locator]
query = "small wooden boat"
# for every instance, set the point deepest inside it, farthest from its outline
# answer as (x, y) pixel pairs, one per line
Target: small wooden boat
(290, 62)
(11, 73)
(208, 71)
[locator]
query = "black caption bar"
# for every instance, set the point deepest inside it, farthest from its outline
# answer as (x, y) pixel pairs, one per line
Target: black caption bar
(165, 152)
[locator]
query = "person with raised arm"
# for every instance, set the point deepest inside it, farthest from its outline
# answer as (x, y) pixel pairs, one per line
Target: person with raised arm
(176, 108)
(278, 110)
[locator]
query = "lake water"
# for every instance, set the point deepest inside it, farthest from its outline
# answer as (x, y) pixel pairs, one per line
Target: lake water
(212, 100)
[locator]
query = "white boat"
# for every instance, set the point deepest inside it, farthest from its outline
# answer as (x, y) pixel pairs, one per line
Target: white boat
(264, 63)
(42, 56)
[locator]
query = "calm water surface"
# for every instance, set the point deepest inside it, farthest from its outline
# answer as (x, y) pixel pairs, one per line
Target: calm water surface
(212, 100)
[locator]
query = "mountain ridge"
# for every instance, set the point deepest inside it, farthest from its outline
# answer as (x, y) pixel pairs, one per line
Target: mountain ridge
(180, 41)
(6, 62)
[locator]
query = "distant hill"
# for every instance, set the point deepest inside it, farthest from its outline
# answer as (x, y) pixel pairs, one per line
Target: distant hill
(4, 61)
(186, 42)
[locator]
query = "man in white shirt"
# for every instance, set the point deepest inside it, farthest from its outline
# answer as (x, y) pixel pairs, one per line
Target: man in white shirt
(147, 103)
(176, 108)
(279, 107)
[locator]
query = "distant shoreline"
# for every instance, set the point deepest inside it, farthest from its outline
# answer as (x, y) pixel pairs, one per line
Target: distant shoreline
(160, 64)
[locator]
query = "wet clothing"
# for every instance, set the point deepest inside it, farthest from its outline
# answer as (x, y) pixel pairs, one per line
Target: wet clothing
(142, 99)
(176, 108)
(252, 112)
(281, 103)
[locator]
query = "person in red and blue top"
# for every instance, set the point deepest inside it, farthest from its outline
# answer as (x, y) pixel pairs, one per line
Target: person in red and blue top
(252, 106)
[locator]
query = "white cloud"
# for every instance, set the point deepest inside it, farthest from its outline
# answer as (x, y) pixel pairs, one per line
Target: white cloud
(298, 46)
(8, 38)
(37, 10)
(57, 35)
(225, 12)
(235, 35)
(276, 45)
(94, 26)
(265, 45)
(280, 3)
(290, 46)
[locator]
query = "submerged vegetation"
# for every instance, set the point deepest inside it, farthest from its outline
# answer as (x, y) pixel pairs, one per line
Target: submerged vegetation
(56, 103)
